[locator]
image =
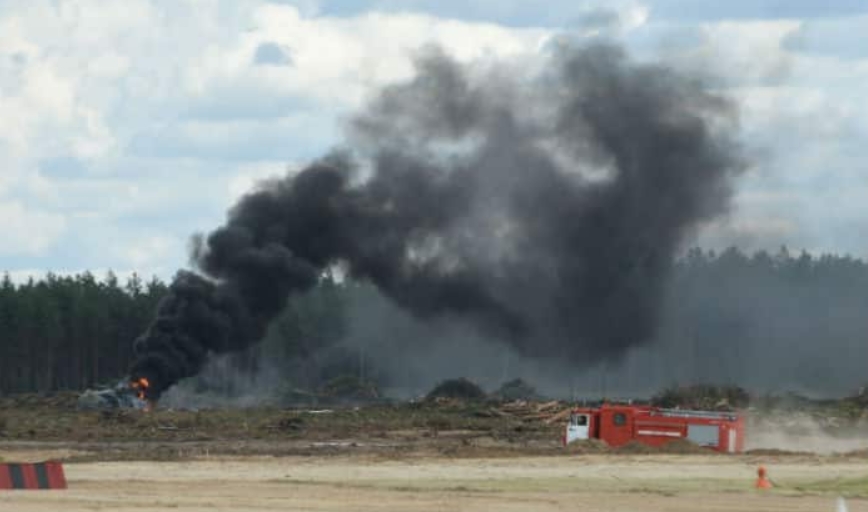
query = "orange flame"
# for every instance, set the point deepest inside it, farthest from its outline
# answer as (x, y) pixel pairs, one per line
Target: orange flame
(141, 386)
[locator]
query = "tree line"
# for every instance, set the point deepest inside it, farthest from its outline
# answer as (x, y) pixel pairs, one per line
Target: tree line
(70, 332)
(764, 319)
(769, 321)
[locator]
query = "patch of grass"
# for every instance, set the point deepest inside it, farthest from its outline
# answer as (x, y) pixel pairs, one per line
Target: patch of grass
(848, 487)
(668, 493)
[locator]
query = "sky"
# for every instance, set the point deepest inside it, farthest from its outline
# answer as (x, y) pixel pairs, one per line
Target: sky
(125, 127)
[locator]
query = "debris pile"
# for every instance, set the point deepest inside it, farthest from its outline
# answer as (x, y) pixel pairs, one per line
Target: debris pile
(350, 387)
(461, 389)
(516, 389)
(703, 397)
(528, 411)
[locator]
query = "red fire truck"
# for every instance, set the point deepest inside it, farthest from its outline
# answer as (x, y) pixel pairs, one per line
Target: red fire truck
(618, 425)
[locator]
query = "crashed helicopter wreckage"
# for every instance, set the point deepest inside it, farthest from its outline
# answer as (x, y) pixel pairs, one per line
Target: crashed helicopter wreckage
(124, 395)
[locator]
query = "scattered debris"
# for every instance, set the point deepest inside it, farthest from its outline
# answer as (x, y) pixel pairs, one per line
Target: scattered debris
(440, 422)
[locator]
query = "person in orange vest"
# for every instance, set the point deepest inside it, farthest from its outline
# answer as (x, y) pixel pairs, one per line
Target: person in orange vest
(762, 481)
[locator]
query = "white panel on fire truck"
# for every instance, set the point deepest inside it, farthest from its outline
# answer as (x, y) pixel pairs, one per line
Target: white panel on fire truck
(703, 435)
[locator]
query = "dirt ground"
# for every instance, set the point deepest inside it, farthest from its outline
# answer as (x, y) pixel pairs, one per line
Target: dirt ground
(407, 458)
(611, 483)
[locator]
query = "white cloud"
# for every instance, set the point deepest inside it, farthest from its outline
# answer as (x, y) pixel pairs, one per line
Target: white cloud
(747, 234)
(28, 231)
(728, 53)
(336, 60)
(149, 252)
(803, 120)
(128, 125)
(842, 38)
(120, 117)
(250, 175)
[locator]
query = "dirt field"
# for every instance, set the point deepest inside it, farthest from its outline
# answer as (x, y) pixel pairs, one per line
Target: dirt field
(449, 456)
(612, 483)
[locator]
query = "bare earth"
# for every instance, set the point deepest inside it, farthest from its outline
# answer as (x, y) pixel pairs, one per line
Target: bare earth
(431, 456)
(611, 483)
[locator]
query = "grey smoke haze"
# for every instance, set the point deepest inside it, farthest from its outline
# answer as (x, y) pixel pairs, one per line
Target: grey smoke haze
(541, 204)
(766, 322)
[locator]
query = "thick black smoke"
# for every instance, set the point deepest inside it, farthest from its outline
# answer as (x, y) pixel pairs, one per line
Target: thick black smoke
(543, 207)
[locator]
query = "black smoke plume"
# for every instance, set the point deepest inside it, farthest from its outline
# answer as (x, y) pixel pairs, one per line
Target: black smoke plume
(540, 202)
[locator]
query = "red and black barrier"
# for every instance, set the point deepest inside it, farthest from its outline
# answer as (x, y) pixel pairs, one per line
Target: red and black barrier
(40, 475)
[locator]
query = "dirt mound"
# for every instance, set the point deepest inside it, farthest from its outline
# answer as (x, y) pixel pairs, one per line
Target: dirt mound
(457, 388)
(516, 389)
(350, 387)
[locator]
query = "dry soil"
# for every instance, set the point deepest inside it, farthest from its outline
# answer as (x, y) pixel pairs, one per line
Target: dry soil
(611, 483)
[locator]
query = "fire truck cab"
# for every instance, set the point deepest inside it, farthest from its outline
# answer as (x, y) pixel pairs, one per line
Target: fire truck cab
(617, 425)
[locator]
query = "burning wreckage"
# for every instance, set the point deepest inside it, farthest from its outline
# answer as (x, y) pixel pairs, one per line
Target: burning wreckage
(124, 395)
